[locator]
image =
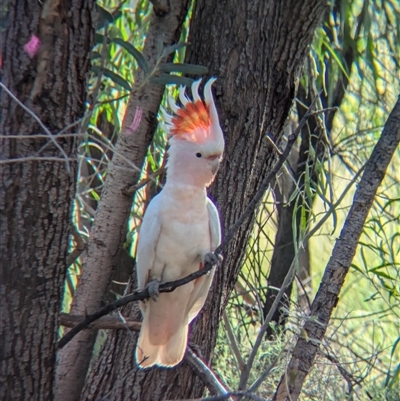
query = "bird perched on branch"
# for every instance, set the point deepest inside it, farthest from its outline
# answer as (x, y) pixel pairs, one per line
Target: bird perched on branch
(180, 229)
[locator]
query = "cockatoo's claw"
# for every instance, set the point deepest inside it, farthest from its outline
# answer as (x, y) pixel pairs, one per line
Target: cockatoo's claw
(213, 258)
(153, 287)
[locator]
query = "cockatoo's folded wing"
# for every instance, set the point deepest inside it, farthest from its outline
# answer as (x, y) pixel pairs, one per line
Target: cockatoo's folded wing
(202, 285)
(146, 252)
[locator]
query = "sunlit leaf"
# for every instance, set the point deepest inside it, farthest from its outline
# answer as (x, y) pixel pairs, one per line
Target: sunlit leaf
(171, 49)
(104, 17)
(142, 63)
(113, 76)
(192, 69)
(167, 79)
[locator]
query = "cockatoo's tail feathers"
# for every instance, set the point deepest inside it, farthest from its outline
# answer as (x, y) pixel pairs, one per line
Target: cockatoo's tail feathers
(195, 119)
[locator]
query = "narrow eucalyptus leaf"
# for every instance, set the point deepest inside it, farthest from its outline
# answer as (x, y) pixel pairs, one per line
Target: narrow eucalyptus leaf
(170, 49)
(113, 76)
(167, 79)
(134, 52)
(192, 69)
(104, 17)
(95, 55)
(98, 38)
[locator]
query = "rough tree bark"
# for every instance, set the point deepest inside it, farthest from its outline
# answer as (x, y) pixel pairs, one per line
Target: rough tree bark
(36, 195)
(109, 229)
(338, 266)
(256, 49)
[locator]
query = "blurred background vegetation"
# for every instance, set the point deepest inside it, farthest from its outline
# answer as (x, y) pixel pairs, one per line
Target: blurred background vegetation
(353, 69)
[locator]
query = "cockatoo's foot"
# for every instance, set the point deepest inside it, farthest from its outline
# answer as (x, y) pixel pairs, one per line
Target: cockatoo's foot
(196, 349)
(153, 288)
(213, 258)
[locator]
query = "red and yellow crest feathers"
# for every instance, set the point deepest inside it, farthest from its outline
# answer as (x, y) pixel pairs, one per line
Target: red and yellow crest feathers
(193, 116)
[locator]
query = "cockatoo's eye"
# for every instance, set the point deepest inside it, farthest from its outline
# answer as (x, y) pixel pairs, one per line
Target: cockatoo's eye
(198, 154)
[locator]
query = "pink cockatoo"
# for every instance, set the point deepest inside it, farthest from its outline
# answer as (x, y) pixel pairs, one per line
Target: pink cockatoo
(180, 229)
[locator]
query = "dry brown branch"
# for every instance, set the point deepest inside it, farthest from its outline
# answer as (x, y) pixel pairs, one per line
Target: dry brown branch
(239, 394)
(336, 270)
(103, 323)
(80, 246)
(208, 377)
(130, 191)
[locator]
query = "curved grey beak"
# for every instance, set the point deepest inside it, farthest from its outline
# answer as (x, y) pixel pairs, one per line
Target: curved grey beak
(214, 164)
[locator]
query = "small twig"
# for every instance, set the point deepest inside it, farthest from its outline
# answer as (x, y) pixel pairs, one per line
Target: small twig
(45, 129)
(103, 323)
(136, 296)
(223, 397)
(131, 190)
(205, 374)
(36, 158)
(80, 246)
(234, 346)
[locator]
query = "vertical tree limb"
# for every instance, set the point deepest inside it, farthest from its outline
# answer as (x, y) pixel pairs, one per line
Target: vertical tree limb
(338, 266)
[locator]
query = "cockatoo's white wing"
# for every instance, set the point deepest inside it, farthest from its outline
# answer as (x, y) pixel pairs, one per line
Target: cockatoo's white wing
(215, 225)
(203, 284)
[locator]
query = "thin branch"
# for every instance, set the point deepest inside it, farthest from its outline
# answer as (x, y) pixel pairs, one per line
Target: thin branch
(45, 129)
(103, 323)
(80, 246)
(130, 191)
(223, 397)
(36, 158)
(206, 375)
(233, 342)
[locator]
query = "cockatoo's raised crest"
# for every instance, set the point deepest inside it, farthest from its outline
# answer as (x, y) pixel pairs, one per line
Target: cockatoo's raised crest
(196, 121)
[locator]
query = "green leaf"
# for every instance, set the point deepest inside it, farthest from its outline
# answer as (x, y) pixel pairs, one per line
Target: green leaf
(171, 49)
(113, 76)
(142, 63)
(104, 17)
(167, 79)
(192, 69)
(99, 39)
(95, 55)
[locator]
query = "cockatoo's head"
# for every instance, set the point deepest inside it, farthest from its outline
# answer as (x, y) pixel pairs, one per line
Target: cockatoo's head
(195, 137)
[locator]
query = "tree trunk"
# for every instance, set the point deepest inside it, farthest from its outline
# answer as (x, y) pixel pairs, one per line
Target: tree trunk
(256, 50)
(108, 234)
(36, 190)
(338, 266)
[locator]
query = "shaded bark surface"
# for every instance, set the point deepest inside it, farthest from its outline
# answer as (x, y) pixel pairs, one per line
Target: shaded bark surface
(338, 266)
(35, 196)
(105, 249)
(256, 49)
